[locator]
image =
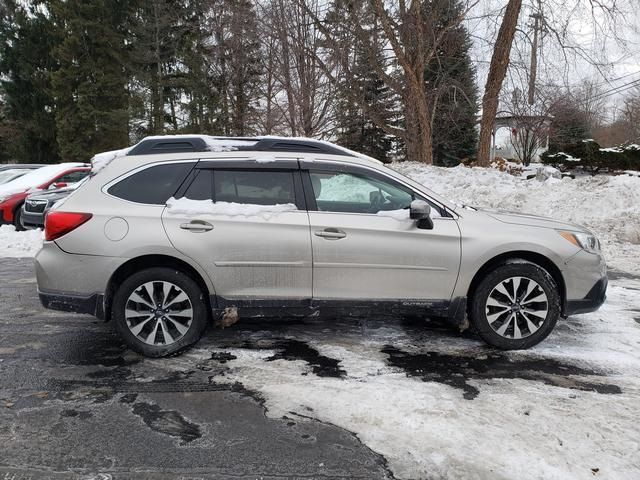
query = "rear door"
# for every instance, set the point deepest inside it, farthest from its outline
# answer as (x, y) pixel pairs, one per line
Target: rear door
(365, 247)
(246, 224)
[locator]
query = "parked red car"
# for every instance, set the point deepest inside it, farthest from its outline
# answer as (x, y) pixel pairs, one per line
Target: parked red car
(12, 194)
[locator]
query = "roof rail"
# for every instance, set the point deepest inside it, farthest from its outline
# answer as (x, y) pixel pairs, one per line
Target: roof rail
(152, 146)
(180, 144)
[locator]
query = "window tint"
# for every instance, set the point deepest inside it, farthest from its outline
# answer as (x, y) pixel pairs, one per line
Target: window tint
(154, 185)
(201, 187)
(72, 177)
(350, 193)
(260, 187)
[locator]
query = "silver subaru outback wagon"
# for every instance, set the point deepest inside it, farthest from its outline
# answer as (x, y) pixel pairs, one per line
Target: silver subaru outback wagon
(177, 231)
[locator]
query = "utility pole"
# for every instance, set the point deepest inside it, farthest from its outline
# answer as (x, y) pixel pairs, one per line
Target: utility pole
(538, 22)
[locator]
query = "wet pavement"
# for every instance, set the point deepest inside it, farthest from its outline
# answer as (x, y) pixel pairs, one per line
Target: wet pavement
(74, 402)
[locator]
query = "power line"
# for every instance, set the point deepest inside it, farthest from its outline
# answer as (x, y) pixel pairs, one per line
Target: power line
(617, 90)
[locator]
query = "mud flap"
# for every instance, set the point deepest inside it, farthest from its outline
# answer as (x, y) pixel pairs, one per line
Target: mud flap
(458, 313)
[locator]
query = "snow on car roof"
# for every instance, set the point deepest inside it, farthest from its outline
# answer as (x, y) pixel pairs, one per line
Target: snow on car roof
(36, 177)
(220, 144)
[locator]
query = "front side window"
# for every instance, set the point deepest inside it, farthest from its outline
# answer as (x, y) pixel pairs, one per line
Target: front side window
(153, 185)
(355, 193)
(260, 187)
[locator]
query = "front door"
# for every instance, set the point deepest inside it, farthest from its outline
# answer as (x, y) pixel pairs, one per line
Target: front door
(253, 238)
(365, 247)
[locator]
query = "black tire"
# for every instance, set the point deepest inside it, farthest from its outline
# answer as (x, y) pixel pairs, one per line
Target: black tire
(478, 308)
(195, 295)
(17, 219)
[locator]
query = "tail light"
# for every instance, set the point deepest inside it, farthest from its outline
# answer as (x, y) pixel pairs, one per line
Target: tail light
(57, 224)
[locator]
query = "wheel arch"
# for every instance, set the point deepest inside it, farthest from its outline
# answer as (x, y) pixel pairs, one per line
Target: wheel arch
(533, 257)
(147, 261)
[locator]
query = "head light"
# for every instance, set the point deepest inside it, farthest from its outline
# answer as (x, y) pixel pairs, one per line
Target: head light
(584, 241)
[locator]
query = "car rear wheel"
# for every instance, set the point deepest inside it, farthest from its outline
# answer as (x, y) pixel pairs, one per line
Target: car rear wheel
(159, 312)
(515, 306)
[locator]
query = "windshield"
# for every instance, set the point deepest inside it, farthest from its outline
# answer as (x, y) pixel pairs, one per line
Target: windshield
(8, 175)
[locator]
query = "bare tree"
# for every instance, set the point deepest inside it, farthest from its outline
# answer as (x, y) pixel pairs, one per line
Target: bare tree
(531, 124)
(301, 92)
(413, 38)
(553, 22)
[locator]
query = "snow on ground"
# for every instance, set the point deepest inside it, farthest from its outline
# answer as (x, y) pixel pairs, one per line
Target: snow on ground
(19, 244)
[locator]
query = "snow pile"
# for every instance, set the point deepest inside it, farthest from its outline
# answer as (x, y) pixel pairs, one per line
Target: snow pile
(607, 205)
(185, 206)
(35, 178)
(19, 244)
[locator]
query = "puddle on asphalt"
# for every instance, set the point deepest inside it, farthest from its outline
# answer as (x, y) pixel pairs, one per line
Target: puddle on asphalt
(290, 349)
(457, 370)
(167, 422)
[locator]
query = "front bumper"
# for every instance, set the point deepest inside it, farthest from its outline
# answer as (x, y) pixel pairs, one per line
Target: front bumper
(592, 302)
(32, 220)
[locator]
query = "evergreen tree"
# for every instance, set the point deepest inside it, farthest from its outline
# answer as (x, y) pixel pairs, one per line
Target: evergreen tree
(90, 85)
(450, 79)
(237, 63)
(355, 129)
(27, 122)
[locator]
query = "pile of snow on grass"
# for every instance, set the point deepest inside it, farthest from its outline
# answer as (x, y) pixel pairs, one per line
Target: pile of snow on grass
(19, 244)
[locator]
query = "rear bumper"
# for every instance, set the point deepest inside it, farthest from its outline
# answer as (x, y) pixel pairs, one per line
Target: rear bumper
(592, 302)
(67, 302)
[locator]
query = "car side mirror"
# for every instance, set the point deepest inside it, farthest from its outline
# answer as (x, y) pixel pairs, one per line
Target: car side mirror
(420, 211)
(55, 186)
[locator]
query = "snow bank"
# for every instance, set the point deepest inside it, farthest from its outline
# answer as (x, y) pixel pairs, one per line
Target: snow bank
(185, 206)
(19, 244)
(607, 205)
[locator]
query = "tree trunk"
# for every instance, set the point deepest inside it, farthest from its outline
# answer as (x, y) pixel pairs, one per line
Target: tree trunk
(497, 72)
(418, 137)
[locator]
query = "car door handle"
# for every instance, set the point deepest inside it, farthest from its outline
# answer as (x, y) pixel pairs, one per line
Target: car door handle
(330, 234)
(197, 226)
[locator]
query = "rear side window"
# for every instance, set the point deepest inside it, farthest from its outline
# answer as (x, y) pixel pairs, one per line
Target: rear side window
(260, 187)
(201, 187)
(153, 185)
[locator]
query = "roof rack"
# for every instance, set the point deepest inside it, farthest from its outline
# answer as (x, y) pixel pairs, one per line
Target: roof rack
(262, 144)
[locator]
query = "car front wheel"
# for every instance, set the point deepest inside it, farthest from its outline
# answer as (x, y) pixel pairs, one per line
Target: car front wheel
(159, 311)
(515, 306)
(17, 219)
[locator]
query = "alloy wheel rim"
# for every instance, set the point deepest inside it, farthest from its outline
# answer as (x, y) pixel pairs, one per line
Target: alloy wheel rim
(158, 313)
(517, 307)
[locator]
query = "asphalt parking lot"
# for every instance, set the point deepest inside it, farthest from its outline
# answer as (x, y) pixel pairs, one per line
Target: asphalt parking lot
(75, 402)
(334, 398)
